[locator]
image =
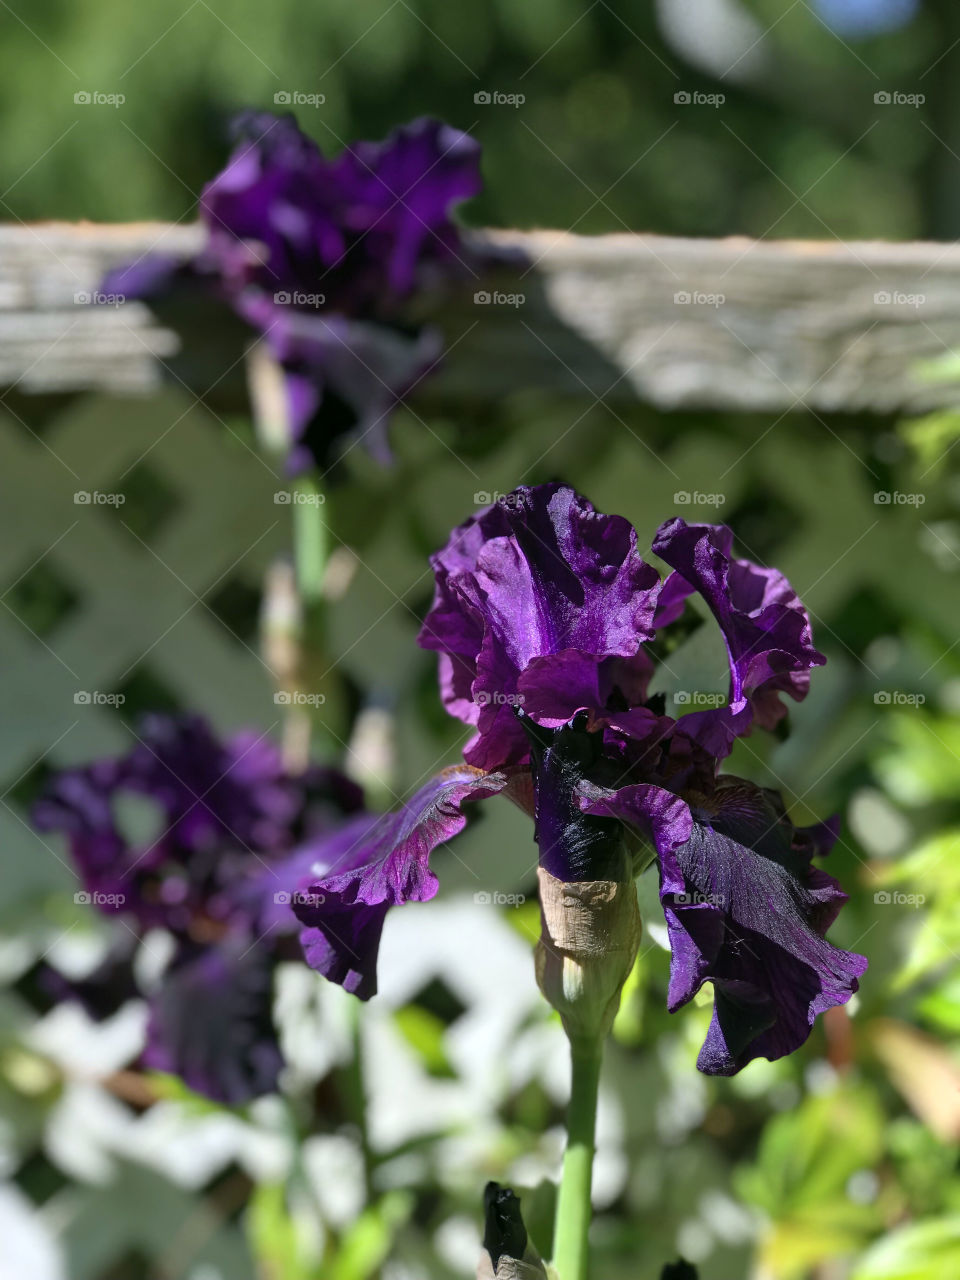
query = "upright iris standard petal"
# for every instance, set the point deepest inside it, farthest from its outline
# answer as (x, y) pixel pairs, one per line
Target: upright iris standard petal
(211, 1022)
(764, 624)
(377, 864)
(747, 911)
(533, 578)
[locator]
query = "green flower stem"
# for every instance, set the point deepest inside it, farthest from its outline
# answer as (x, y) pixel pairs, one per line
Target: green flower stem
(572, 1223)
(310, 542)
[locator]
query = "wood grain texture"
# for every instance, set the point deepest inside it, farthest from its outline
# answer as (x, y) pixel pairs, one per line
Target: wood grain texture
(767, 325)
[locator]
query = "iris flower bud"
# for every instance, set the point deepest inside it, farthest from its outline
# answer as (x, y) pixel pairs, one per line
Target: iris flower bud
(589, 938)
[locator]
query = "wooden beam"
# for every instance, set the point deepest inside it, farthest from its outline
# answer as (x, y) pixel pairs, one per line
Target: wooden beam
(758, 326)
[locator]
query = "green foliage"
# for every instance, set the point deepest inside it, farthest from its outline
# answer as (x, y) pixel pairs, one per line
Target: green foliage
(926, 1251)
(802, 1175)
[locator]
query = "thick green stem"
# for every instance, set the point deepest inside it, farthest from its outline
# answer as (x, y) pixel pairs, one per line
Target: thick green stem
(572, 1223)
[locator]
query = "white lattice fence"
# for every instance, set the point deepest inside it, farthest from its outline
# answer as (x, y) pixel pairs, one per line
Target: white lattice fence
(130, 605)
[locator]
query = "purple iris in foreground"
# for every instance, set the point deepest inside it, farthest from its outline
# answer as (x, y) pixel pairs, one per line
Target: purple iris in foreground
(196, 836)
(321, 257)
(547, 621)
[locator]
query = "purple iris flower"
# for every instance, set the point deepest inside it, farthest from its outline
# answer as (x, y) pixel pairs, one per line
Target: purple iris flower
(321, 257)
(546, 619)
(217, 872)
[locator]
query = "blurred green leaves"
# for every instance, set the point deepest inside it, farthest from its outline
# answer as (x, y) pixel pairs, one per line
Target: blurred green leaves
(925, 1251)
(802, 1175)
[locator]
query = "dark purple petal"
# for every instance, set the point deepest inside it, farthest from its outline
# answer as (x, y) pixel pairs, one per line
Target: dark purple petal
(748, 912)
(536, 575)
(153, 274)
(223, 811)
(343, 378)
(403, 189)
(211, 1023)
(672, 599)
(662, 817)
(765, 626)
(376, 865)
(320, 256)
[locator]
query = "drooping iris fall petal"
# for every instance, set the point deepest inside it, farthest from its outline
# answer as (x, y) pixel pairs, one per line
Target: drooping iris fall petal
(375, 864)
(746, 910)
(211, 1022)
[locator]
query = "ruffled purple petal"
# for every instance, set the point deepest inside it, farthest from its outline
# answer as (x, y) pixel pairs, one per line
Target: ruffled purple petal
(378, 864)
(211, 1023)
(538, 574)
(765, 626)
(748, 912)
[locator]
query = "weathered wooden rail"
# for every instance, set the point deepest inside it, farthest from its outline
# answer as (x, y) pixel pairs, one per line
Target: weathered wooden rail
(729, 324)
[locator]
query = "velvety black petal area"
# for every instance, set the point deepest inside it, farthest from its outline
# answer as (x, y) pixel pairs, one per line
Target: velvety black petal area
(747, 911)
(376, 864)
(574, 845)
(211, 1023)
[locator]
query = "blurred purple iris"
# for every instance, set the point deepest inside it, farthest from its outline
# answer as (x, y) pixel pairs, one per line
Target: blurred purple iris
(216, 870)
(320, 256)
(546, 619)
